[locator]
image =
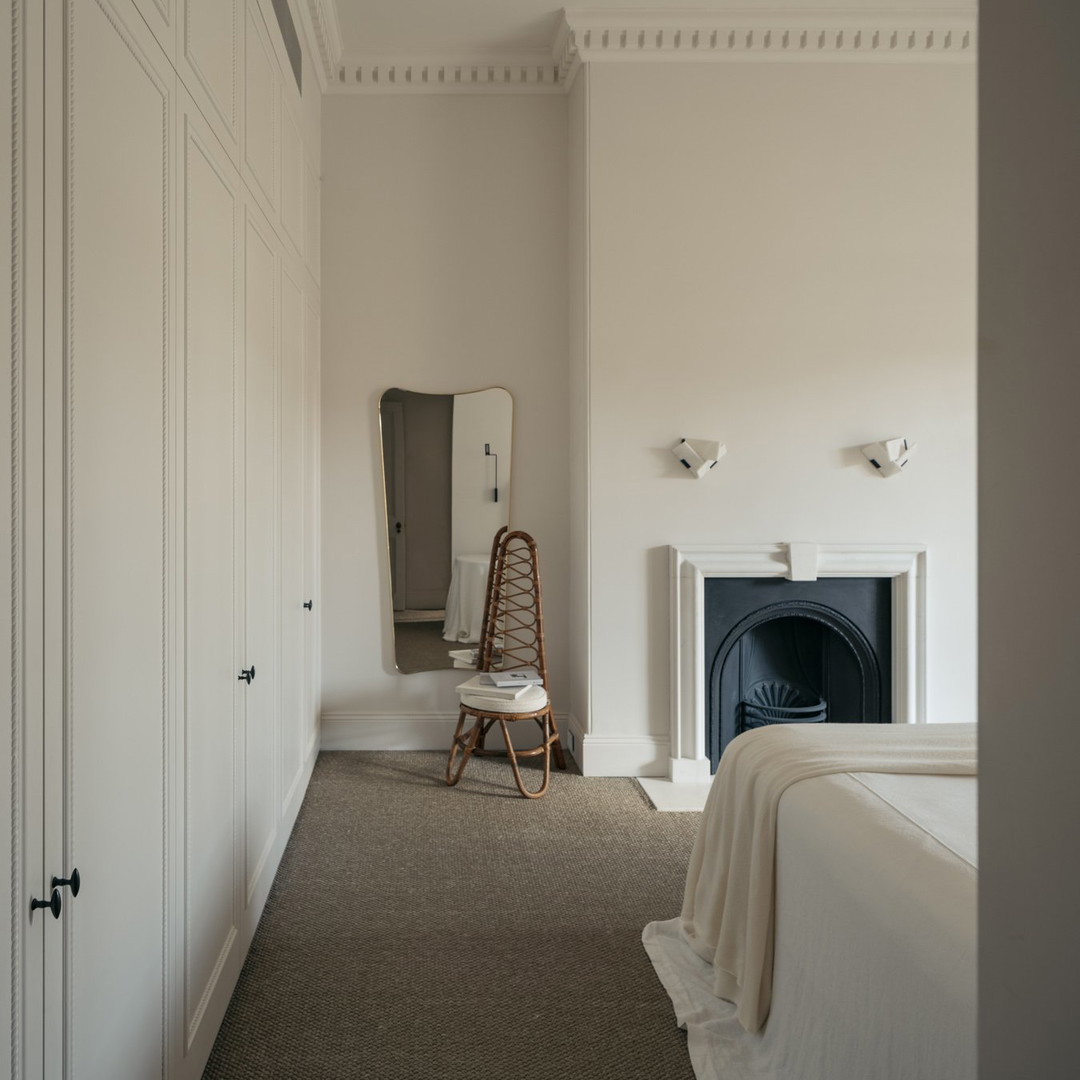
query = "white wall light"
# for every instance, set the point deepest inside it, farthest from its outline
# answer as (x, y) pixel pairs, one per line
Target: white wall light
(699, 455)
(889, 456)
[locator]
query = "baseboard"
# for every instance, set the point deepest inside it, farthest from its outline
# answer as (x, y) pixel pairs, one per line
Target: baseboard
(622, 755)
(403, 731)
(387, 731)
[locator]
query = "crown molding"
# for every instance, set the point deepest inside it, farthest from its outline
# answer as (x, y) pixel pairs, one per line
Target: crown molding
(637, 35)
(324, 33)
(770, 34)
(506, 73)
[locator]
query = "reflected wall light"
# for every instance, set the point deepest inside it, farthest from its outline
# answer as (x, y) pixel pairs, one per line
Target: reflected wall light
(488, 453)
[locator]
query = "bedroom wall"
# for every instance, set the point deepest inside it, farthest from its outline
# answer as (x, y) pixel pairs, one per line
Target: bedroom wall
(781, 257)
(578, 404)
(444, 270)
(1029, 518)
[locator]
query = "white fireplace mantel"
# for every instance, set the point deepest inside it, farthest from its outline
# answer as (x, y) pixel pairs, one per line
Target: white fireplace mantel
(690, 566)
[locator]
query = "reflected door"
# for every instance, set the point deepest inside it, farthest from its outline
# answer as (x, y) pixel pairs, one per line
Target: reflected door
(393, 434)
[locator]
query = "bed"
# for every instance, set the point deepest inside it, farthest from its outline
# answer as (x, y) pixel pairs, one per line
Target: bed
(832, 895)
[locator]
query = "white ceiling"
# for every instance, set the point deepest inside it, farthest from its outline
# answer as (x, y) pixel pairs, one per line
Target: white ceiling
(477, 27)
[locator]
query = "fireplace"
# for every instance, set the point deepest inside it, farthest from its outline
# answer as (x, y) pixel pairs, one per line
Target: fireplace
(900, 653)
(782, 651)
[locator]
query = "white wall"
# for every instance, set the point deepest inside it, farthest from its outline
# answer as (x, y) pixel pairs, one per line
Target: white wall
(578, 406)
(485, 418)
(444, 263)
(1029, 520)
(779, 256)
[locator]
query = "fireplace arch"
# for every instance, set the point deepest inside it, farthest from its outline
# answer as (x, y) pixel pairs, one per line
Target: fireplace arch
(809, 647)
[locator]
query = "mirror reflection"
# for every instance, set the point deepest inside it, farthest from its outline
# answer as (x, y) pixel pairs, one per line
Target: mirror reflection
(446, 474)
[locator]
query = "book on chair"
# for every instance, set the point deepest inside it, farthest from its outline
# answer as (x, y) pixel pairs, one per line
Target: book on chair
(481, 684)
(525, 676)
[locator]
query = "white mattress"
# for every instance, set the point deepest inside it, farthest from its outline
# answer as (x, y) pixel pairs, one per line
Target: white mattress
(874, 971)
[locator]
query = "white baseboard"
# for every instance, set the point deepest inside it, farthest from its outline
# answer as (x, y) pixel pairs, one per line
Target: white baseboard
(404, 731)
(387, 731)
(622, 755)
(596, 755)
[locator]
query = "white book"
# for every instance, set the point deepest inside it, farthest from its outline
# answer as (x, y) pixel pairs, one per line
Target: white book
(518, 677)
(481, 684)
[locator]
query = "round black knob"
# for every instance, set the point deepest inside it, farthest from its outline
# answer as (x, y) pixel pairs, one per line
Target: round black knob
(308, 604)
(74, 881)
(246, 674)
(54, 904)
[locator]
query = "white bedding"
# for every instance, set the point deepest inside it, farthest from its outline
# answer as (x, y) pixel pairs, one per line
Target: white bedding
(875, 916)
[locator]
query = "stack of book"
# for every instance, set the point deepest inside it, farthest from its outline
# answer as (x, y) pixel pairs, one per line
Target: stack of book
(500, 686)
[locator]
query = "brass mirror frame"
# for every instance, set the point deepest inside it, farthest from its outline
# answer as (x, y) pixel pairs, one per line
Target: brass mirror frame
(497, 472)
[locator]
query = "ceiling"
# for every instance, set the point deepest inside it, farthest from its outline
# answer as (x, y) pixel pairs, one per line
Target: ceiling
(477, 27)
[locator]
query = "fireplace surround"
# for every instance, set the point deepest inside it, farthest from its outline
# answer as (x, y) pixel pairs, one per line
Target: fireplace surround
(690, 566)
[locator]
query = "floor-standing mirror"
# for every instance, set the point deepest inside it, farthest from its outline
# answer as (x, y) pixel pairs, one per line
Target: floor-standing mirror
(446, 474)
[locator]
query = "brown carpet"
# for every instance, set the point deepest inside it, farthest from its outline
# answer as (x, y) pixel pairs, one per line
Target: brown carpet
(416, 931)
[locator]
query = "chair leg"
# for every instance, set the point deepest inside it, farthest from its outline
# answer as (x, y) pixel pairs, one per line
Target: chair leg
(463, 745)
(517, 772)
(556, 744)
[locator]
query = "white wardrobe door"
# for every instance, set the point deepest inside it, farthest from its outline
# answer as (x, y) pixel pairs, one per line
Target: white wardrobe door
(260, 317)
(292, 539)
(311, 528)
(119, 93)
(211, 219)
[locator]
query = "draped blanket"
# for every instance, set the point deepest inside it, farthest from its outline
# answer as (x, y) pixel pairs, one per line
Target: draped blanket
(728, 905)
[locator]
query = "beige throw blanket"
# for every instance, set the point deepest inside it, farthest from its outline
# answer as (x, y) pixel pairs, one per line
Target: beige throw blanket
(727, 915)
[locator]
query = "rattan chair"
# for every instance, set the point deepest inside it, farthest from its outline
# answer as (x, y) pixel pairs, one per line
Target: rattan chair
(512, 637)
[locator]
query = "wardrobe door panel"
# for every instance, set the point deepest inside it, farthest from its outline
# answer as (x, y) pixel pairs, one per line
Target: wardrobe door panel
(292, 180)
(311, 525)
(312, 220)
(260, 696)
(210, 230)
(117, 502)
(160, 16)
(292, 537)
(209, 62)
(261, 109)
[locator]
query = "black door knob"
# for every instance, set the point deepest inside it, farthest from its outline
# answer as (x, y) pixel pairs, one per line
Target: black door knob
(74, 881)
(246, 674)
(54, 904)
(308, 604)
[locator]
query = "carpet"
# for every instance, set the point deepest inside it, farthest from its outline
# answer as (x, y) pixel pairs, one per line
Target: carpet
(419, 646)
(416, 930)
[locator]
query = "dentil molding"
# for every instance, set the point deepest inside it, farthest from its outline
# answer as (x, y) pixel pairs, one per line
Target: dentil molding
(324, 32)
(621, 35)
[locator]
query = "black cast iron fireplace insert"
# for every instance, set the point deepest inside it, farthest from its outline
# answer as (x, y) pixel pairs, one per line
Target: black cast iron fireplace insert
(780, 651)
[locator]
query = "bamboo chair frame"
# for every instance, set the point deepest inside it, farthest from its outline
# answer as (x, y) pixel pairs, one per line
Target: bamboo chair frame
(513, 614)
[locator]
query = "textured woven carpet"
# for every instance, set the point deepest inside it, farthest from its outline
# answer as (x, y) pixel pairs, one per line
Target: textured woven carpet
(419, 646)
(416, 931)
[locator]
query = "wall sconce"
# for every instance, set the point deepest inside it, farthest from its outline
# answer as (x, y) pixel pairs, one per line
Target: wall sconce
(488, 453)
(699, 455)
(890, 456)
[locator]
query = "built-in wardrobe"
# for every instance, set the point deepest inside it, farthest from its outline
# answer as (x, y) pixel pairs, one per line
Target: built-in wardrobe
(158, 631)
